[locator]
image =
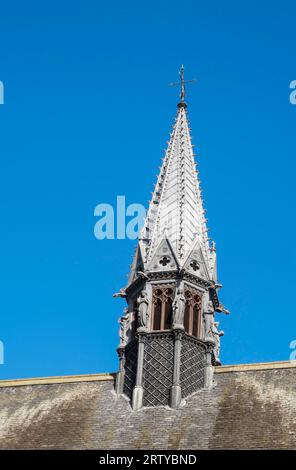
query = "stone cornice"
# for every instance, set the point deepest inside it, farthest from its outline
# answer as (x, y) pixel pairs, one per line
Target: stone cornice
(255, 366)
(57, 380)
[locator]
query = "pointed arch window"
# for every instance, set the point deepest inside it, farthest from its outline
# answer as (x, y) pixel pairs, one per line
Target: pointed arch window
(192, 315)
(162, 301)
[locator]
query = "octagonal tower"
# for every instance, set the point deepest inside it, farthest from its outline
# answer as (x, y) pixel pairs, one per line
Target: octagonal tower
(169, 340)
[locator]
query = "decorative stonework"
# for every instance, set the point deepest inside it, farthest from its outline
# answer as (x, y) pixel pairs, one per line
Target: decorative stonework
(158, 369)
(192, 366)
(163, 293)
(169, 337)
(131, 357)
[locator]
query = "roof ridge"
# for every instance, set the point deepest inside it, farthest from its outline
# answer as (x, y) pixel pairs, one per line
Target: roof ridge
(255, 366)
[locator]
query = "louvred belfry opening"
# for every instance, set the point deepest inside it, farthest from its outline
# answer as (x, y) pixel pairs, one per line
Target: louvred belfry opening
(169, 338)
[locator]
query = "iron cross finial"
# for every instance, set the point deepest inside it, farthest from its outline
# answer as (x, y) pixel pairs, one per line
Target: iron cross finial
(182, 83)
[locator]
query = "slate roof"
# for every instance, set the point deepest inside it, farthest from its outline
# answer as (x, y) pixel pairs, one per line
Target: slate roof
(249, 407)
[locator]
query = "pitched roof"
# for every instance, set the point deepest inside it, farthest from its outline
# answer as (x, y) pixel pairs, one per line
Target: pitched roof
(250, 406)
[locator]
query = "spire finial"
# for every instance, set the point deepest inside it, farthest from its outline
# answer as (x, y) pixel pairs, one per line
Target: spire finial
(181, 84)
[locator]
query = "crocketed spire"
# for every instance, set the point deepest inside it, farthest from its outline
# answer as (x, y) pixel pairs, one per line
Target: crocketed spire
(176, 209)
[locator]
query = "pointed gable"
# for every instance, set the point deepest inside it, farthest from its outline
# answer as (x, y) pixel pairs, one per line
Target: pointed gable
(164, 258)
(137, 265)
(195, 263)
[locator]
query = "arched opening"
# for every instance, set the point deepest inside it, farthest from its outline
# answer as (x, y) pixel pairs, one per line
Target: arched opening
(192, 315)
(162, 301)
(157, 315)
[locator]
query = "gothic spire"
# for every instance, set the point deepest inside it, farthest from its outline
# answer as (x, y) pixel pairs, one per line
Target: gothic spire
(176, 211)
(169, 337)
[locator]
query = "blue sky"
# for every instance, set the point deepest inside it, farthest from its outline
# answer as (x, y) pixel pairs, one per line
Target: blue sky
(87, 113)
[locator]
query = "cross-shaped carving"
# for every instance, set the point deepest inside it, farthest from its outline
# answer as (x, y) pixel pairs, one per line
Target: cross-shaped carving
(195, 265)
(164, 260)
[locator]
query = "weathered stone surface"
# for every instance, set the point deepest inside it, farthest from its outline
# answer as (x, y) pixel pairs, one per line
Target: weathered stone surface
(245, 410)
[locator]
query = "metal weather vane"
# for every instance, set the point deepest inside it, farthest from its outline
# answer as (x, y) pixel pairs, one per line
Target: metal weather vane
(182, 83)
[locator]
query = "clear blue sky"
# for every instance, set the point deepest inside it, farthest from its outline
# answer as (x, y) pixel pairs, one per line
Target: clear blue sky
(86, 117)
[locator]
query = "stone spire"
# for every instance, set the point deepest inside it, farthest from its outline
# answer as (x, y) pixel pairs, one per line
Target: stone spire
(176, 209)
(169, 337)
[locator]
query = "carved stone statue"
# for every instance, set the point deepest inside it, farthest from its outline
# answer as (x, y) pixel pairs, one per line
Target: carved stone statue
(179, 309)
(143, 305)
(216, 334)
(124, 326)
(208, 312)
(210, 308)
